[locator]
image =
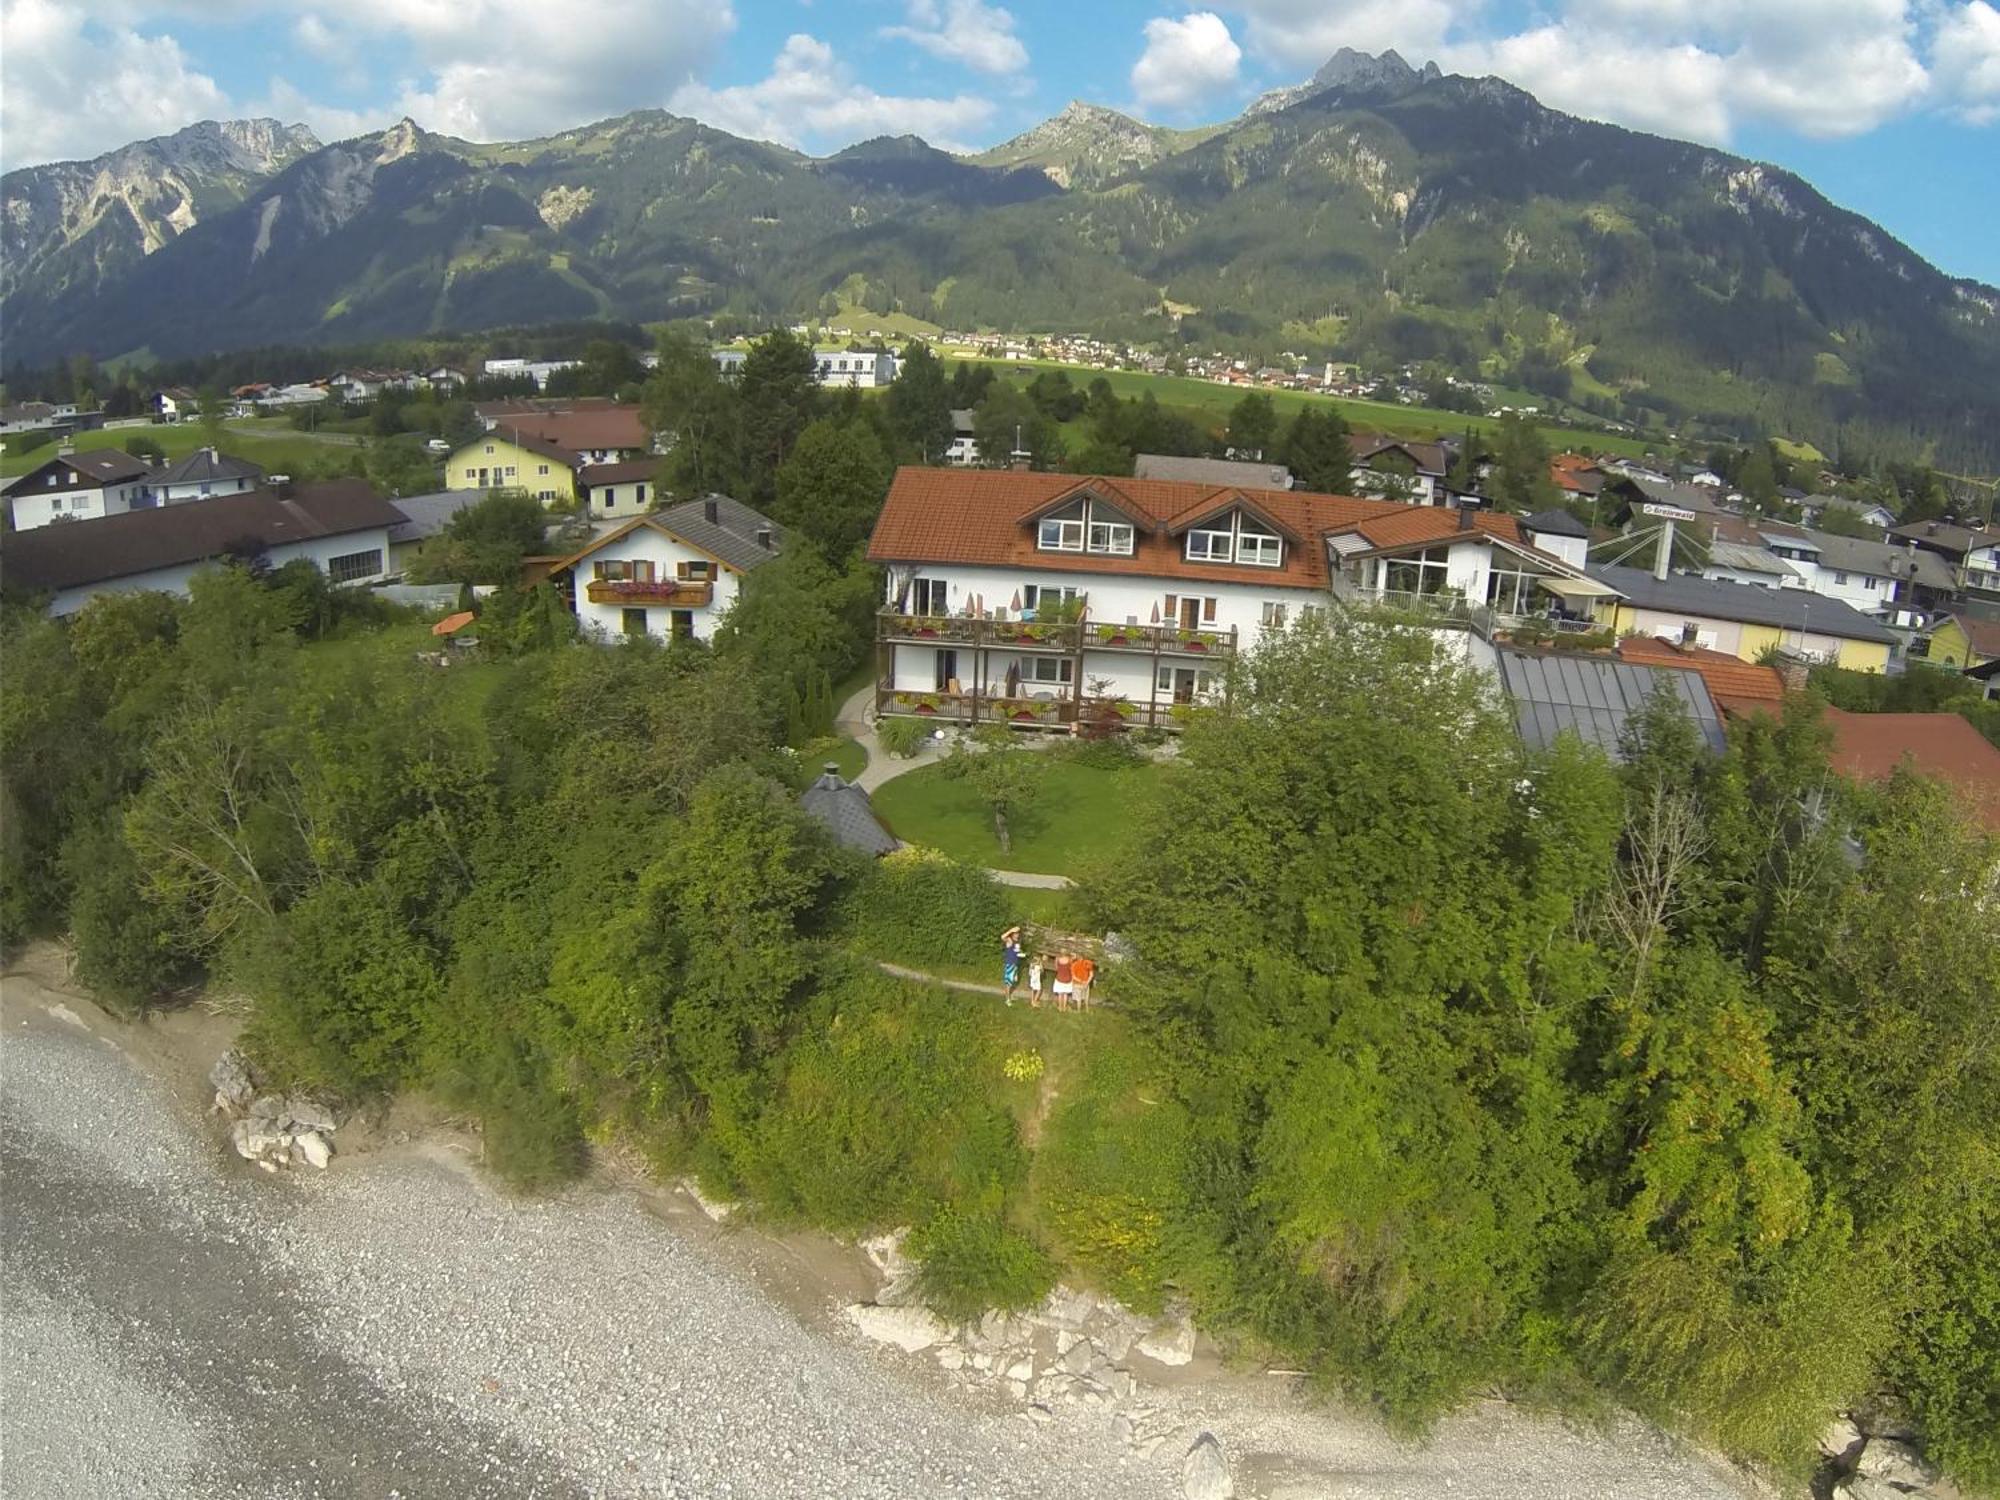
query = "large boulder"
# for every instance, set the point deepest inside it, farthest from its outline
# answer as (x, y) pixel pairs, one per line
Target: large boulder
(1842, 1440)
(313, 1147)
(1205, 1471)
(1861, 1487)
(1895, 1462)
(1170, 1343)
(303, 1113)
(908, 1328)
(234, 1083)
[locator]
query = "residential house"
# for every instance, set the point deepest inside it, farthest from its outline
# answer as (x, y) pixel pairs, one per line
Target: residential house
(1558, 533)
(445, 379)
(594, 428)
(729, 362)
(294, 395)
(29, 416)
(964, 449)
(1576, 475)
(1627, 496)
(203, 475)
(1945, 747)
(1972, 551)
(1218, 472)
(870, 369)
(1869, 512)
(1901, 584)
(508, 459)
(537, 370)
(1745, 622)
(846, 812)
(1737, 687)
(671, 573)
(341, 526)
(78, 487)
(1400, 468)
(424, 516)
(1040, 599)
(618, 489)
(177, 404)
(1749, 563)
(1964, 640)
(1594, 697)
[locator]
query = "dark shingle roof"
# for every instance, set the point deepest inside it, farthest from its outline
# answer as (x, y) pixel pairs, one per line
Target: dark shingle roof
(1555, 522)
(205, 465)
(1788, 609)
(731, 537)
(844, 808)
(1593, 696)
(428, 515)
(85, 471)
(142, 541)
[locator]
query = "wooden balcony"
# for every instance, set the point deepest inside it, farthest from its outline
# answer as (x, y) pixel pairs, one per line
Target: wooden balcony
(1030, 712)
(638, 593)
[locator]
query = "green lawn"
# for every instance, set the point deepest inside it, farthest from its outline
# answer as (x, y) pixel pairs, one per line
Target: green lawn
(1208, 401)
(289, 453)
(1079, 813)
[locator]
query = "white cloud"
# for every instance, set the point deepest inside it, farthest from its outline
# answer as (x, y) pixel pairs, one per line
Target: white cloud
(67, 93)
(808, 98)
(1968, 62)
(1696, 68)
(1190, 61)
(964, 31)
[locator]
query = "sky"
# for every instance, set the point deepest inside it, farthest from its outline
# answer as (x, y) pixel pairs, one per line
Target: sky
(1890, 107)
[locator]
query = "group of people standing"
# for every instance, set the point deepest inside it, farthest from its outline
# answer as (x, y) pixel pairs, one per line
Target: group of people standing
(1068, 975)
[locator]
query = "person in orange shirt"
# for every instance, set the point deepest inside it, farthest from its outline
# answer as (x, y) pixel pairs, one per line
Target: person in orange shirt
(1081, 972)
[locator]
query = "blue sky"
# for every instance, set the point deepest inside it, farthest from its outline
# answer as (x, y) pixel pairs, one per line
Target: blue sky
(1891, 107)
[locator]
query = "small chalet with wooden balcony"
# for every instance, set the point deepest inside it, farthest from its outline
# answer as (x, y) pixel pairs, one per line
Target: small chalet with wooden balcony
(1041, 599)
(670, 573)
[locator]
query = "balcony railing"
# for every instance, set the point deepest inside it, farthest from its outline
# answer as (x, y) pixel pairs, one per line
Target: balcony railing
(680, 593)
(1029, 713)
(1067, 636)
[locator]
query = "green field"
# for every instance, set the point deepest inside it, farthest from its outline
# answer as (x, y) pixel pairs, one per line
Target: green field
(276, 447)
(1210, 403)
(1077, 815)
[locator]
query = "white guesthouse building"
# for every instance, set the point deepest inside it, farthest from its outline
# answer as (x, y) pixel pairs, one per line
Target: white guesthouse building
(1041, 599)
(79, 487)
(672, 573)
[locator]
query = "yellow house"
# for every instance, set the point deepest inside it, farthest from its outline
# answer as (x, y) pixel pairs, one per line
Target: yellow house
(507, 459)
(1964, 641)
(1742, 619)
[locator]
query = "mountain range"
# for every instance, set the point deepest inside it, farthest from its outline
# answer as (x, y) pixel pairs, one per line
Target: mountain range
(1378, 213)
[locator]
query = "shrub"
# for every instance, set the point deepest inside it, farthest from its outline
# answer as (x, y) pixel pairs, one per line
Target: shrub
(902, 737)
(1110, 753)
(921, 907)
(970, 1260)
(125, 950)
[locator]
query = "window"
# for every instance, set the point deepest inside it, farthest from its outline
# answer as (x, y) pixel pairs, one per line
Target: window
(512, 471)
(1420, 573)
(682, 623)
(1060, 670)
(927, 597)
(1839, 580)
(1061, 536)
(1045, 596)
(352, 565)
(1111, 536)
(693, 572)
(1207, 545)
(611, 572)
(1260, 549)
(48, 479)
(1511, 591)
(1274, 616)
(634, 621)
(542, 469)
(639, 495)
(489, 447)
(1871, 582)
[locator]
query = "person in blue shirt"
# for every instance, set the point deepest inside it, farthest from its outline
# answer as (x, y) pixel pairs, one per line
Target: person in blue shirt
(1010, 960)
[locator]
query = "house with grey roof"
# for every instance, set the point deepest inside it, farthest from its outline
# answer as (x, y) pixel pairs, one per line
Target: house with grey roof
(1745, 622)
(1594, 697)
(203, 475)
(1223, 473)
(847, 813)
(670, 573)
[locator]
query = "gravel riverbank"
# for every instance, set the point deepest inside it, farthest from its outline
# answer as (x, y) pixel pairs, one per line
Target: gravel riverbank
(178, 1324)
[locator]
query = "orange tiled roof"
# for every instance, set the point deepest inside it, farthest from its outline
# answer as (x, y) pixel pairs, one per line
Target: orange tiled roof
(1868, 747)
(1728, 677)
(593, 427)
(979, 516)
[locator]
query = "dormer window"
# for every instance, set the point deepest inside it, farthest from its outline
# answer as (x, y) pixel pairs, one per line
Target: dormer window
(1086, 526)
(1235, 539)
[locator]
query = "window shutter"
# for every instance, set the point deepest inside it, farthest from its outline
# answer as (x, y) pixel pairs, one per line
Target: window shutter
(680, 570)
(1173, 606)
(1208, 611)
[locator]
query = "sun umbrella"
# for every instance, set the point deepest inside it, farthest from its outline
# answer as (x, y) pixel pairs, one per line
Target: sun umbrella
(452, 624)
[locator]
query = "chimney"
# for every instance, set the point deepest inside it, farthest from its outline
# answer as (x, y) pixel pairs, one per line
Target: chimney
(1689, 633)
(832, 768)
(764, 537)
(1792, 671)
(708, 510)
(1465, 518)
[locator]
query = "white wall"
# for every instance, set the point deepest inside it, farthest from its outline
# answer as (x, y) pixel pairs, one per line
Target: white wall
(632, 498)
(1727, 635)
(320, 551)
(32, 509)
(180, 494)
(642, 544)
(1574, 550)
